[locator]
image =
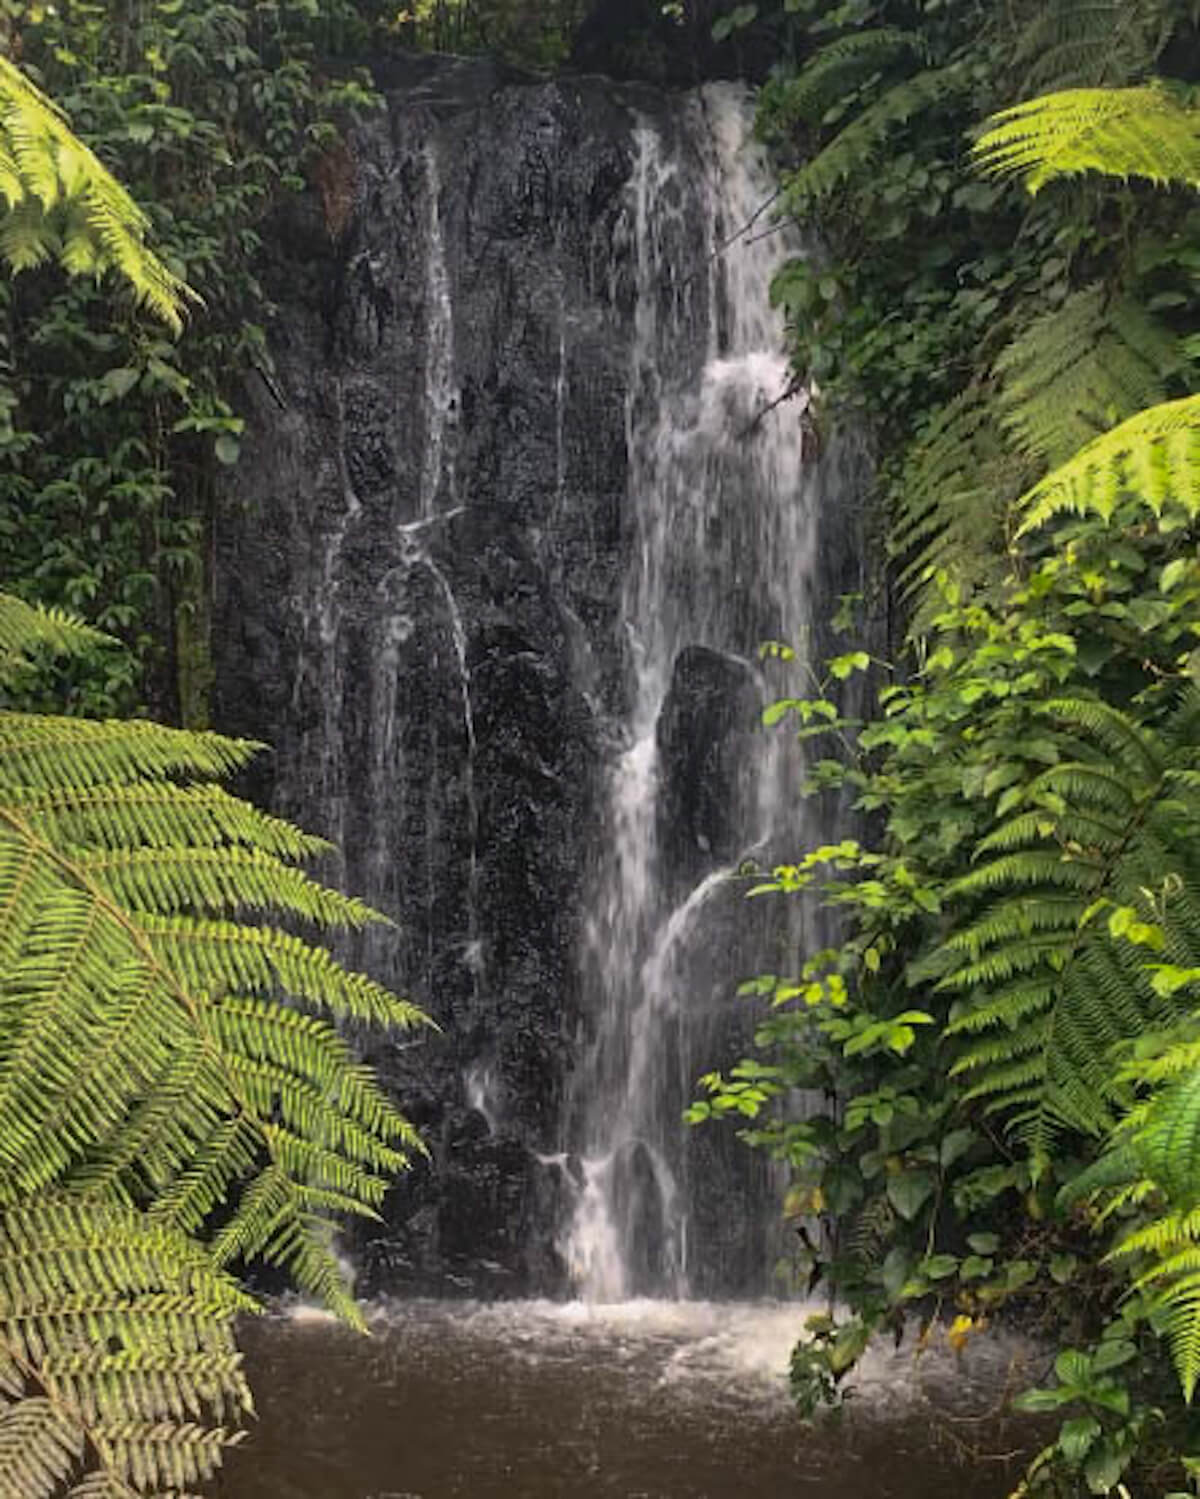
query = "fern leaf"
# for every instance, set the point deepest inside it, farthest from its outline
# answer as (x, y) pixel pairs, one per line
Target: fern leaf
(825, 78)
(1087, 43)
(853, 147)
(1130, 132)
(116, 1345)
(1154, 455)
(26, 629)
(51, 180)
(1079, 370)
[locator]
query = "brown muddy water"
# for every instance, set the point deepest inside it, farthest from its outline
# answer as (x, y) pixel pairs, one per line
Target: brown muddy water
(646, 1400)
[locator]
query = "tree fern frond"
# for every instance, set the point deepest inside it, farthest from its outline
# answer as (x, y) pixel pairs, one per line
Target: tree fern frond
(835, 67)
(1154, 455)
(855, 145)
(217, 882)
(1011, 1007)
(1130, 132)
(47, 753)
(28, 628)
(146, 815)
(1080, 369)
(1035, 867)
(117, 1341)
(959, 475)
(50, 180)
(1177, 1312)
(1131, 747)
(210, 955)
(1087, 43)
(146, 1053)
(1168, 1141)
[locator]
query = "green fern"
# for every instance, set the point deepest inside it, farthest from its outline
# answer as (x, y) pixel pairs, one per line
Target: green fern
(1081, 369)
(838, 66)
(1047, 991)
(1154, 455)
(1067, 44)
(168, 1054)
(119, 1374)
(61, 203)
(853, 148)
(958, 478)
(1128, 132)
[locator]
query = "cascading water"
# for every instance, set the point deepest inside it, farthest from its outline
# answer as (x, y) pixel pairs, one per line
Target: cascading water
(512, 516)
(723, 558)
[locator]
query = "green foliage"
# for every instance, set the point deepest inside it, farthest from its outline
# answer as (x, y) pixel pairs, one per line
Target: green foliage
(982, 337)
(118, 1370)
(111, 433)
(60, 201)
(176, 1097)
(1031, 889)
(1152, 454)
(531, 33)
(1132, 132)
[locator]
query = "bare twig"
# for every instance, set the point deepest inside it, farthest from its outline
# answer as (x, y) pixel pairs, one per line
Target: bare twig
(736, 235)
(794, 387)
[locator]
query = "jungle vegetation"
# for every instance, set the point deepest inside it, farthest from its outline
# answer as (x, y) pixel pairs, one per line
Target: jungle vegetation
(176, 1099)
(1004, 1023)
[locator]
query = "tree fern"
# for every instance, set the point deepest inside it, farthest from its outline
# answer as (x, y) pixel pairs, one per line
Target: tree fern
(852, 149)
(1128, 132)
(170, 1055)
(62, 203)
(1067, 44)
(1080, 369)
(1154, 455)
(118, 1370)
(958, 477)
(825, 79)
(1047, 990)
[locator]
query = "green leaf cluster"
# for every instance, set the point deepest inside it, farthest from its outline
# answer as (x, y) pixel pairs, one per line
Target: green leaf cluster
(112, 433)
(1031, 888)
(178, 1098)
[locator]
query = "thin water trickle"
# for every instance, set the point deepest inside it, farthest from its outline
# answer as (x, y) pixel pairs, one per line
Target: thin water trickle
(723, 557)
(441, 392)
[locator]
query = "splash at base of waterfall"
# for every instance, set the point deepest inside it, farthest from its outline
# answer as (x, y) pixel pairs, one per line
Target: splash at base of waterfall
(638, 1400)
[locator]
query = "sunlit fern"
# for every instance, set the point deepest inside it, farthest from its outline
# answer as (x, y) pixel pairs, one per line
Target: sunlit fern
(164, 1049)
(62, 204)
(1126, 132)
(119, 1375)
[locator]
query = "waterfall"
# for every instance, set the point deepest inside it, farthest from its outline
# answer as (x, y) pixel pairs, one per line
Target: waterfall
(723, 557)
(512, 517)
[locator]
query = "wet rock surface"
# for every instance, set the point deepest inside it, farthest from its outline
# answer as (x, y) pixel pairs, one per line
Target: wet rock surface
(419, 584)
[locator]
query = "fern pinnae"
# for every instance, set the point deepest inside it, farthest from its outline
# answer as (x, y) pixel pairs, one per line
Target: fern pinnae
(1155, 454)
(38, 751)
(858, 141)
(221, 882)
(149, 815)
(1130, 132)
(837, 65)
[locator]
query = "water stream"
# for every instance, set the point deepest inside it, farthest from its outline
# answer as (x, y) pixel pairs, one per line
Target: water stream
(723, 558)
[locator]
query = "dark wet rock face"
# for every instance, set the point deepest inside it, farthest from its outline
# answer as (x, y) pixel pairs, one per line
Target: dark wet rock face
(421, 587)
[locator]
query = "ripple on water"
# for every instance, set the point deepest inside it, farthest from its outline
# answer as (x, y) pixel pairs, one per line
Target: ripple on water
(637, 1400)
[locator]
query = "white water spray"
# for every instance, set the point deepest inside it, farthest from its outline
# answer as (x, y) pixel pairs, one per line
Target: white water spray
(723, 558)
